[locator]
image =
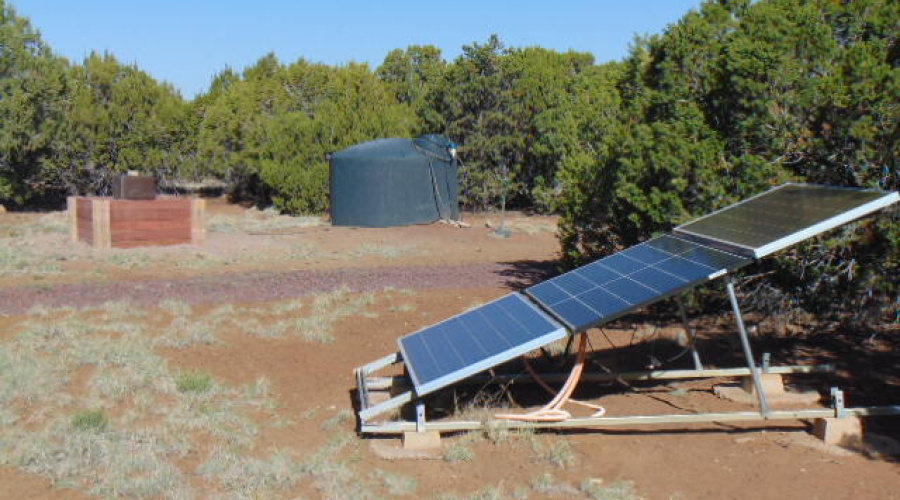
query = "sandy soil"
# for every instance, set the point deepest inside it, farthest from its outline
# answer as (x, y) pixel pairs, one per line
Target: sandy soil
(253, 247)
(457, 268)
(270, 285)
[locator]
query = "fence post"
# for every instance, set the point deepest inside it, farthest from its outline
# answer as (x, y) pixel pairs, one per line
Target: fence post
(102, 234)
(198, 222)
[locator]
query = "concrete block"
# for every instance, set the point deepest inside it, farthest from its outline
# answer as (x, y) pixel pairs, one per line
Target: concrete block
(840, 431)
(772, 384)
(422, 441)
(378, 397)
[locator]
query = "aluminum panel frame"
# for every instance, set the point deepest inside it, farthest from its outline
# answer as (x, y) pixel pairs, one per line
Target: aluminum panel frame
(758, 252)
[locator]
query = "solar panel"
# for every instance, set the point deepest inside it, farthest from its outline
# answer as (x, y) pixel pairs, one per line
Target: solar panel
(631, 279)
(476, 340)
(785, 215)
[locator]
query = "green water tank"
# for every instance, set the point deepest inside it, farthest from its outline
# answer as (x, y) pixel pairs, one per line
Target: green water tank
(394, 182)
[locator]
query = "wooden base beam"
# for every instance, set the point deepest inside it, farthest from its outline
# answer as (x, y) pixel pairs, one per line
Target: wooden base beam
(398, 427)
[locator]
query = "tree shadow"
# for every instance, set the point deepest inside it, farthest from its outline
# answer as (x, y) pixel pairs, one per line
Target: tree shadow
(521, 274)
(867, 368)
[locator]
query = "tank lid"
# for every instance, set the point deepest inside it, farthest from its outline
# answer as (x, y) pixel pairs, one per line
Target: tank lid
(435, 146)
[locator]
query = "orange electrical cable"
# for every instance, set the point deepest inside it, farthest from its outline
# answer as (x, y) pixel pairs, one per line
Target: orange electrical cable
(552, 411)
(537, 378)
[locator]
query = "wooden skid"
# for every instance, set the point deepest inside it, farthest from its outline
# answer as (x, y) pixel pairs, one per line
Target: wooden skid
(365, 383)
(399, 427)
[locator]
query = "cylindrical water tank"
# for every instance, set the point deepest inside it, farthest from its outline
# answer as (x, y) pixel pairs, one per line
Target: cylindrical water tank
(394, 182)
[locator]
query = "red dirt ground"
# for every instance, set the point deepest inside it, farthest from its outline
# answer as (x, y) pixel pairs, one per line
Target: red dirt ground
(697, 462)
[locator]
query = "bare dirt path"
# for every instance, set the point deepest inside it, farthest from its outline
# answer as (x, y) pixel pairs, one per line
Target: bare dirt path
(265, 286)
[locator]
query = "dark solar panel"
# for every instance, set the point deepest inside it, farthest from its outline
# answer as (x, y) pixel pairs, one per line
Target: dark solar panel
(630, 279)
(785, 215)
(475, 341)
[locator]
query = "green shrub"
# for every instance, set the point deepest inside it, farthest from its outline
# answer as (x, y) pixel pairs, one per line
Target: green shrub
(194, 382)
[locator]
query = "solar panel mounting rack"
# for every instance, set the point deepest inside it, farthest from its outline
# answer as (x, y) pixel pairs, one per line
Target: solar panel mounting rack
(696, 252)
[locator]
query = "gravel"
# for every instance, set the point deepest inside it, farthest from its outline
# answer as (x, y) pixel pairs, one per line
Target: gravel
(267, 286)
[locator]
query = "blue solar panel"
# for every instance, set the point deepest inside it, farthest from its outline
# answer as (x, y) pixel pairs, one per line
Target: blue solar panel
(630, 279)
(475, 341)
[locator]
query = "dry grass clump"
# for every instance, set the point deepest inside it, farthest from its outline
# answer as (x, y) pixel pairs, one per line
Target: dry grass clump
(331, 470)
(488, 493)
(289, 306)
(48, 223)
(184, 332)
(119, 310)
(549, 449)
(326, 310)
(402, 308)
(558, 453)
(16, 259)
(458, 452)
(547, 485)
(260, 221)
(389, 252)
(104, 462)
(300, 251)
(129, 259)
(615, 490)
(342, 417)
(118, 432)
(246, 477)
(396, 484)
(312, 320)
(334, 475)
(175, 307)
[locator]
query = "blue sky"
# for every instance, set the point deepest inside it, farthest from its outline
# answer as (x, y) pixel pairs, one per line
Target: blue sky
(186, 42)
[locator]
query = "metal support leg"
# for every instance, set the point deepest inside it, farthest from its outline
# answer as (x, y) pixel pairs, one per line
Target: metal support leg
(690, 334)
(420, 417)
(837, 401)
(748, 353)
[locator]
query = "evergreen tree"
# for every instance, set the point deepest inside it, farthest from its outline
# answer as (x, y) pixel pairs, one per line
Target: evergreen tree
(737, 97)
(32, 84)
(116, 118)
(412, 75)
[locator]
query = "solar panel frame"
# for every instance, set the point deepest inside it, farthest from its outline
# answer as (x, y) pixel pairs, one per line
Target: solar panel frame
(425, 384)
(812, 228)
(604, 299)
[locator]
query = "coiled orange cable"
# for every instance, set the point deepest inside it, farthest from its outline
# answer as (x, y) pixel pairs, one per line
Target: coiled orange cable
(552, 411)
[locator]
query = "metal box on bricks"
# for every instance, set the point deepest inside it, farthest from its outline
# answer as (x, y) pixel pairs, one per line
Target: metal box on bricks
(134, 187)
